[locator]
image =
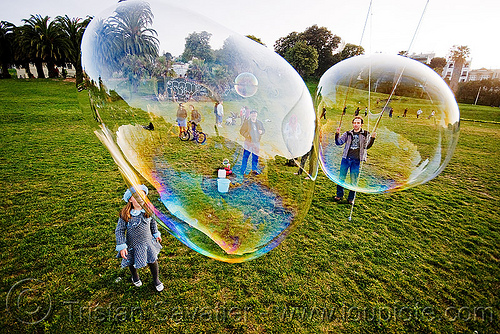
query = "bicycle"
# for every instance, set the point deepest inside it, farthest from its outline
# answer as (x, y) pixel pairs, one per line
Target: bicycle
(196, 135)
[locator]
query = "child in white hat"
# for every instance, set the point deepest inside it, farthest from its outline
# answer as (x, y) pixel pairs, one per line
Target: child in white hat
(138, 239)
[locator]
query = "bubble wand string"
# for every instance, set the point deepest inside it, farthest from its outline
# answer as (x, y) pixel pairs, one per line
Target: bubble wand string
(345, 103)
(401, 73)
(350, 80)
(369, 97)
(375, 127)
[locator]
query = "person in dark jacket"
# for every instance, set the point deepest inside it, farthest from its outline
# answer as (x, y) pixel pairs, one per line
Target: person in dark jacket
(356, 141)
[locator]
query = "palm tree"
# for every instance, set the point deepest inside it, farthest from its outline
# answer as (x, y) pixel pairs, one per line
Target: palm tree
(46, 42)
(131, 24)
(74, 28)
(21, 54)
(125, 34)
(101, 49)
(6, 47)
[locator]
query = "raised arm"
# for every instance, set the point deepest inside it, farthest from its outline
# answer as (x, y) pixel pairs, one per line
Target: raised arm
(340, 139)
(372, 139)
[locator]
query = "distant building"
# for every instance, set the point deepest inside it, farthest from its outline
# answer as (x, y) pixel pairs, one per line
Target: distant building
(448, 70)
(424, 58)
(181, 69)
(483, 74)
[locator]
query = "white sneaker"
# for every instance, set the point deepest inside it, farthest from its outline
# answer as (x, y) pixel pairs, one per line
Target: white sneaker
(138, 283)
(159, 287)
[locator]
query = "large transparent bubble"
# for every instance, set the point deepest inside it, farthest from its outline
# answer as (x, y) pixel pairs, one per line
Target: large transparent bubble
(406, 104)
(222, 188)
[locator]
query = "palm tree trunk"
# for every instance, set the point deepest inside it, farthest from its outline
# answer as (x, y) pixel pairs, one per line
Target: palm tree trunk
(79, 72)
(39, 69)
(455, 76)
(52, 69)
(26, 67)
(5, 71)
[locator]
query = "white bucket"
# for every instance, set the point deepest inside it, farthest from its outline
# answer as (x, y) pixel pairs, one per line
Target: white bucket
(223, 185)
(221, 173)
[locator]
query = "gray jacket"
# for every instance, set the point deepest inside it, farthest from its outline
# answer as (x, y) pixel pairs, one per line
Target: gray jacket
(346, 139)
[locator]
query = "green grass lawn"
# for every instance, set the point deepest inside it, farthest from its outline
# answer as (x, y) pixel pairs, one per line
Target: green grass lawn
(424, 260)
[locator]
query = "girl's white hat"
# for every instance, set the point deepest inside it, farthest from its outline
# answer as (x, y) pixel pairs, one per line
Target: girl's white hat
(130, 191)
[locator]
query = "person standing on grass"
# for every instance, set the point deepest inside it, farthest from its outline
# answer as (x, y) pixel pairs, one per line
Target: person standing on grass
(195, 118)
(195, 115)
(215, 111)
(355, 148)
(252, 129)
(182, 118)
(244, 114)
(303, 160)
(323, 113)
(220, 113)
(138, 239)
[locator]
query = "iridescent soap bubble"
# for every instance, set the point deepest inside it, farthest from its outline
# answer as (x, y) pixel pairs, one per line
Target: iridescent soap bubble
(246, 84)
(408, 150)
(151, 66)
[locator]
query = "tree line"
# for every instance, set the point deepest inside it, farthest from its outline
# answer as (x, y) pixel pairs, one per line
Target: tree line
(483, 92)
(40, 40)
(128, 44)
(314, 51)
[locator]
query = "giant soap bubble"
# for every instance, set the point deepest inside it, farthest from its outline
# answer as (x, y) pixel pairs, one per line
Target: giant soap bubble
(408, 150)
(151, 69)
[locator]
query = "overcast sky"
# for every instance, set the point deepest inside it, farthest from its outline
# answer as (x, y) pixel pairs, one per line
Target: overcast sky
(391, 28)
